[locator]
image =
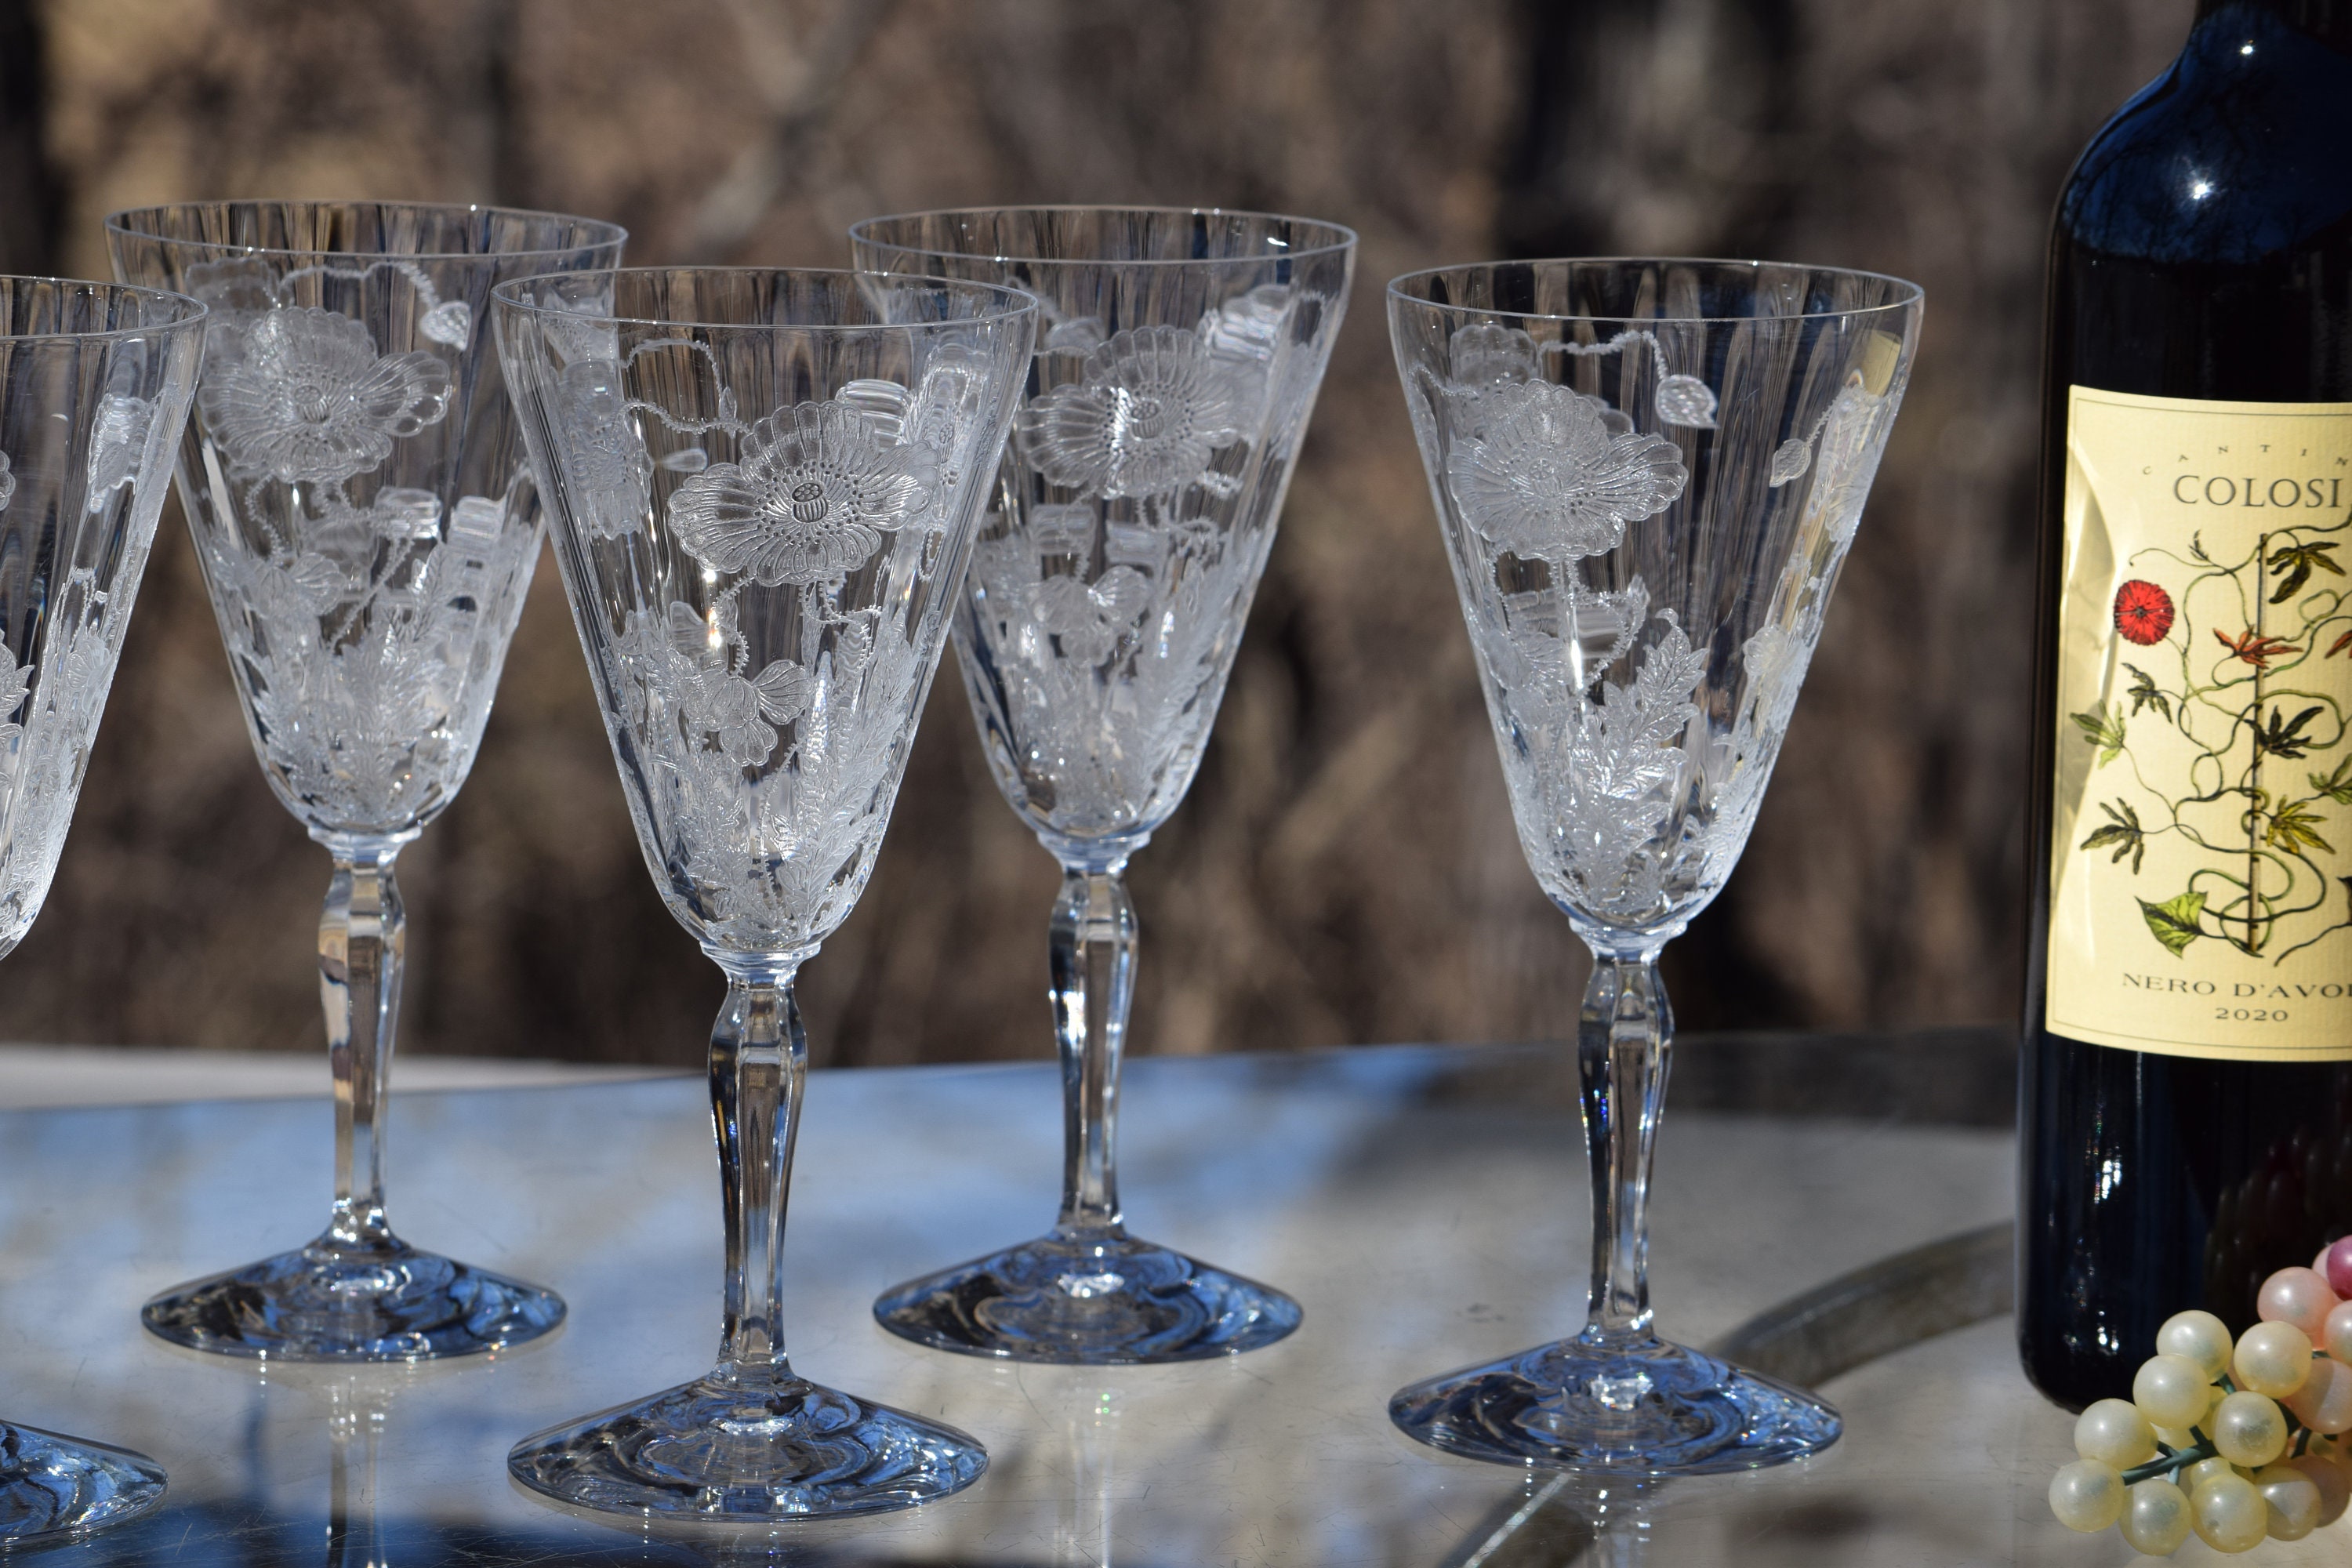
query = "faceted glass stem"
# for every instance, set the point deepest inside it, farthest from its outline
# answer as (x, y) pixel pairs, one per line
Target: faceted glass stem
(749, 1440)
(362, 944)
(1093, 948)
(1625, 1034)
(1617, 1398)
(357, 1292)
(1089, 1293)
(758, 1063)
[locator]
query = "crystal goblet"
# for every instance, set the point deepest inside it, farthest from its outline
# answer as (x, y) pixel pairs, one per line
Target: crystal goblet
(765, 487)
(1134, 511)
(367, 529)
(1649, 473)
(95, 381)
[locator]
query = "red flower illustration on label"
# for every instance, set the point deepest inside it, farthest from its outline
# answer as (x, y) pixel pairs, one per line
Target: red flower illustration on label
(2143, 611)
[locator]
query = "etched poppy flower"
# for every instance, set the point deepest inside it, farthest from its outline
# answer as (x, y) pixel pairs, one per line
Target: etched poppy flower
(1551, 473)
(2143, 611)
(815, 492)
(308, 399)
(1153, 405)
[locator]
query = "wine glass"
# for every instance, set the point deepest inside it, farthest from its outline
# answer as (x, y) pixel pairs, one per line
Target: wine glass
(1134, 511)
(367, 529)
(95, 380)
(765, 487)
(1649, 473)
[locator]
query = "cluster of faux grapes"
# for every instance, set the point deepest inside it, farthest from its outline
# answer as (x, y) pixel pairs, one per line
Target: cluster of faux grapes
(2203, 1445)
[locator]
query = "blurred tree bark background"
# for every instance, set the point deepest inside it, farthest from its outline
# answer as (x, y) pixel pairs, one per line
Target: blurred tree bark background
(1345, 869)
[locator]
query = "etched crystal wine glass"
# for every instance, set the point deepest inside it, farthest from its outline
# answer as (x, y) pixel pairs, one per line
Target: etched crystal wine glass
(1649, 473)
(765, 487)
(367, 529)
(1134, 511)
(95, 380)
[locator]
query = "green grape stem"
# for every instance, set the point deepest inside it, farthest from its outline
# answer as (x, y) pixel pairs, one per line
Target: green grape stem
(2170, 1462)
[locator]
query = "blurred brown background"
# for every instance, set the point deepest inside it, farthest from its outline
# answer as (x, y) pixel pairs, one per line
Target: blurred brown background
(1344, 870)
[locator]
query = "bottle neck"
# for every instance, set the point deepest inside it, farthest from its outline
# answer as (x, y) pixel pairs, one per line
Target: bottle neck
(2329, 21)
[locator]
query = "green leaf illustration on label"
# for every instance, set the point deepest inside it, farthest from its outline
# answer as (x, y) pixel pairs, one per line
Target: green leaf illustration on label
(2243, 699)
(2175, 920)
(2103, 732)
(2122, 830)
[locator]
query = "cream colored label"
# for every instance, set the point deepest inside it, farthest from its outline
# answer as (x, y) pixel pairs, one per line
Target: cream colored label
(2200, 878)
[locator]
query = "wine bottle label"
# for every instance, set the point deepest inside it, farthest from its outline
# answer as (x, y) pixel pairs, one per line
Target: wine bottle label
(2200, 878)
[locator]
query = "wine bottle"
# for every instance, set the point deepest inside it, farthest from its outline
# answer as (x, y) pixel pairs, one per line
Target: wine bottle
(2186, 1076)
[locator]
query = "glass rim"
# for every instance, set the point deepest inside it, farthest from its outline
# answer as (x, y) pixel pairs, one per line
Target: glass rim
(1013, 303)
(1909, 294)
(600, 231)
(1342, 237)
(191, 310)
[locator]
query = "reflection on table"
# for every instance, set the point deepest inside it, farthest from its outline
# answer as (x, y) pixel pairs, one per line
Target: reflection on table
(1424, 1203)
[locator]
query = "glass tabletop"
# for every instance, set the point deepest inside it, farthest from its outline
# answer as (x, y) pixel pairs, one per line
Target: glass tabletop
(1427, 1206)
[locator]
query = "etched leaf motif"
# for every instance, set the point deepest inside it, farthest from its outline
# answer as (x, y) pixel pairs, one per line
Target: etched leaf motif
(814, 492)
(1542, 473)
(2174, 923)
(607, 463)
(1151, 408)
(306, 399)
(1791, 458)
(1485, 353)
(451, 322)
(117, 442)
(7, 482)
(1686, 401)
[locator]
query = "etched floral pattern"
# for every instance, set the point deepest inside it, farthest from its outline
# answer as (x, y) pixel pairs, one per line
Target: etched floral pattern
(1155, 404)
(816, 490)
(7, 482)
(1637, 764)
(306, 397)
(366, 623)
(609, 468)
(1552, 474)
(1108, 622)
(769, 692)
(118, 446)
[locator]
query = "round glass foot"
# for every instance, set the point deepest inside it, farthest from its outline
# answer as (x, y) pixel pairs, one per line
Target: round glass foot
(1645, 1408)
(718, 1449)
(332, 1302)
(1098, 1299)
(54, 1487)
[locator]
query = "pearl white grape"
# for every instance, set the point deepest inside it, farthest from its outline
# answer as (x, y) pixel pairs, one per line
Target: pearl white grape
(2273, 1359)
(2293, 1499)
(2229, 1514)
(2171, 1391)
(2204, 1470)
(2175, 1437)
(2202, 1337)
(2249, 1430)
(2323, 1402)
(2334, 1481)
(2339, 1337)
(2157, 1519)
(2087, 1494)
(2113, 1432)
(2298, 1296)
